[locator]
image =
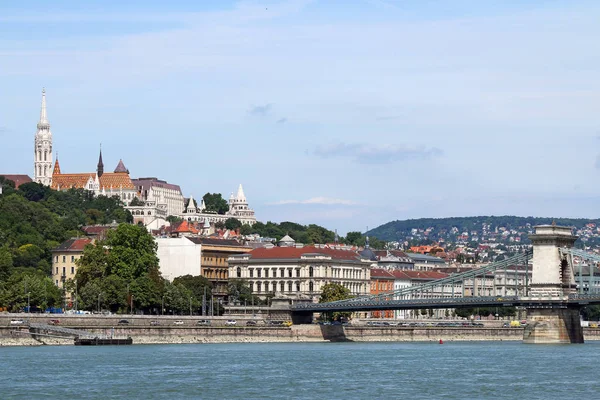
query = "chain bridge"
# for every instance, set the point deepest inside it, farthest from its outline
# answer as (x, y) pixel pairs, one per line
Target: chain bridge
(549, 281)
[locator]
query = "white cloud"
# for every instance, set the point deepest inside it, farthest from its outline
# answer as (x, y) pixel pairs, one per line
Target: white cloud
(317, 200)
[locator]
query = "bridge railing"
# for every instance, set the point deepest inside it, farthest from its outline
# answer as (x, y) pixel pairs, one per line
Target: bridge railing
(453, 286)
(586, 284)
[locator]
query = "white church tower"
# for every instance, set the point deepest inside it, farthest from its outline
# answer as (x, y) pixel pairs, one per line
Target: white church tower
(43, 148)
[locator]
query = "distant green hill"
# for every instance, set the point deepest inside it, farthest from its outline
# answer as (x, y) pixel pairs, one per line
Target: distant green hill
(500, 229)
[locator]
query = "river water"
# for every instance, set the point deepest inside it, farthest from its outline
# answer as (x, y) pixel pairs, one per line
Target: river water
(454, 370)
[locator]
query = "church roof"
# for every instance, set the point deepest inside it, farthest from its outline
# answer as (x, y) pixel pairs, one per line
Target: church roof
(56, 169)
(116, 180)
(287, 239)
(121, 167)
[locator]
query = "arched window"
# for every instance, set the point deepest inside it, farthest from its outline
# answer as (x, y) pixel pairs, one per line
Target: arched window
(310, 273)
(149, 212)
(45, 155)
(239, 272)
(39, 170)
(311, 286)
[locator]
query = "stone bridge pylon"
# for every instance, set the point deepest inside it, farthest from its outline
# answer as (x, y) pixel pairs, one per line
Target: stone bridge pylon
(552, 277)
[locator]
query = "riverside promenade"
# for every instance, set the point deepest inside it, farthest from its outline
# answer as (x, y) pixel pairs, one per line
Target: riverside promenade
(185, 329)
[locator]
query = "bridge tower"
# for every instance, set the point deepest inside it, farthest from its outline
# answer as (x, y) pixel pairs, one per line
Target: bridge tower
(552, 278)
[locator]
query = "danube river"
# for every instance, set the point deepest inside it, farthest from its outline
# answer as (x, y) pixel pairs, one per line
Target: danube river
(457, 370)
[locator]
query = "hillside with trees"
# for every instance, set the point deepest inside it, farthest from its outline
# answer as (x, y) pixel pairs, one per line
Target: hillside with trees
(483, 229)
(34, 219)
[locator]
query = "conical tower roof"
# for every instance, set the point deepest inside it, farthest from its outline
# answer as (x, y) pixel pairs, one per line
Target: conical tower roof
(56, 170)
(121, 167)
(43, 124)
(241, 197)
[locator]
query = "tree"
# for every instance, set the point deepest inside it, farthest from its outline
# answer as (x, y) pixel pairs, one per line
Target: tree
(232, 223)
(6, 263)
(335, 292)
(214, 202)
(122, 269)
(246, 229)
(137, 202)
(238, 291)
(172, 219)
(353, 238)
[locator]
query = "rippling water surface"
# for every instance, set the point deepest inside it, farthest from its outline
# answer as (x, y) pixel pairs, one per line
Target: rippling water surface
(477, 370)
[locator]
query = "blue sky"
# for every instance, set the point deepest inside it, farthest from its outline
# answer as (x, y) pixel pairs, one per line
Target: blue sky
(340, 113)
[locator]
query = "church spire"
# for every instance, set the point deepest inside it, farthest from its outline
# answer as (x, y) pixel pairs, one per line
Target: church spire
(43, 124)
(56, 170)
(100, 164)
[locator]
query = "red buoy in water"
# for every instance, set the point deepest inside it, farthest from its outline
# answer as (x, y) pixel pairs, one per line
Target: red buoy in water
(441, 341)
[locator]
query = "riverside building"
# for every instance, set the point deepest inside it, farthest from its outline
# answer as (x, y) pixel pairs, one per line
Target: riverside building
(301, 271)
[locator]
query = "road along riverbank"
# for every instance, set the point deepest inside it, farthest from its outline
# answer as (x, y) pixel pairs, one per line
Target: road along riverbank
(148, 329)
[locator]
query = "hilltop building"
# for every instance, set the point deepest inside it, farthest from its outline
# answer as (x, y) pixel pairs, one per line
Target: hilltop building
(42, 150)
(238, 208)
(160, 194)
(117, 183)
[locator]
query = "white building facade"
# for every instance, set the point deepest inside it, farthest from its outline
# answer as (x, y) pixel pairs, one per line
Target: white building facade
(238, 209)
(178, 257)
(301, 271)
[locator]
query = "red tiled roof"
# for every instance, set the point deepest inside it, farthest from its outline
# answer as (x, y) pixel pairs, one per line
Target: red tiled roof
(184, 226)
(381, 273)
(296, 253)
(108, 180)
(17, 179)
(76, 244)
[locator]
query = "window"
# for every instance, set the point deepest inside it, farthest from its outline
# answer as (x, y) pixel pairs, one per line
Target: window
(282, 286)
(258, 285)
(64, 259)
(289, 286)
(258, 273)
(289, 274)
(266, 272)
(64, 270)
(310, 273)
(311, 286)
(55, 259)
(239, 272)
(297, 272)
(72, 258)
(72, 270)
(251, 270)
(297, 286)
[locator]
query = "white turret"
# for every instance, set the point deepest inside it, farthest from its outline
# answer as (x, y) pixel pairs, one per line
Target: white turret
(191, 208)
(241, 198)
(42, 156)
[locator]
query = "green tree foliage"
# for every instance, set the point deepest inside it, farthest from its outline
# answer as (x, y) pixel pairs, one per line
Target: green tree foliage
(246, 229)
(232, 223)
(24, 284)
(239, 292)
(121, 270)
(172, 219)
(307, 234)
(215, 203)
(334, 292)
(354, 238)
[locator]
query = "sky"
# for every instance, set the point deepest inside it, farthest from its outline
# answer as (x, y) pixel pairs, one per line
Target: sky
(346, 114)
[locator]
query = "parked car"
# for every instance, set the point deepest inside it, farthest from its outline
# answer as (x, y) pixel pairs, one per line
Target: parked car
(17, 322)
(203, 322)
(231, 322)
(178, 322)
(53, 322)
(154, 323)
(251, 323)
(123, 322)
